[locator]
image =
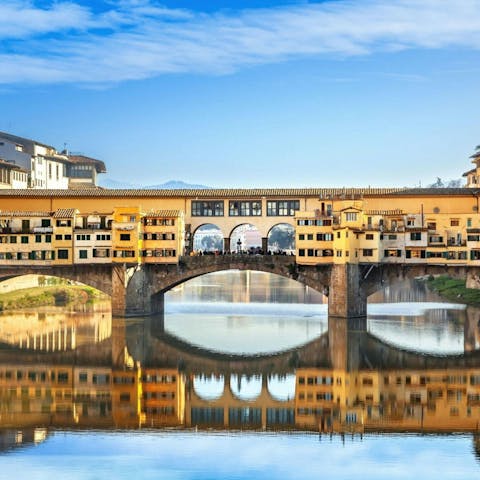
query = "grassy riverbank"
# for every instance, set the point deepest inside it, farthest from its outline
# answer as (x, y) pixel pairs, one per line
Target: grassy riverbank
(52, 295)
(454, 290)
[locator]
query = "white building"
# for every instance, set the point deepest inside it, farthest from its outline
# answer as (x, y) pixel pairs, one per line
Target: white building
(45, 167)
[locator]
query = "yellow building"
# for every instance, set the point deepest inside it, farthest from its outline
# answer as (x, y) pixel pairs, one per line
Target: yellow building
(126, 397)
(26, 238)
(314, 237)
(416, 400)
(126, 239)
(163, 400)
(92, 395)
(163, 236)
(62, 240)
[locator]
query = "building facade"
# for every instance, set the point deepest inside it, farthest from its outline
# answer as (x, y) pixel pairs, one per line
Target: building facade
(43, 167)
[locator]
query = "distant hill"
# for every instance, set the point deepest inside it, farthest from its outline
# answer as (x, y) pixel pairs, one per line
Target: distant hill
(170, 185)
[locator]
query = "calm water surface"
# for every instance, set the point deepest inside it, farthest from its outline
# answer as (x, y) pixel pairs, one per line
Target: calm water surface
(243, 377)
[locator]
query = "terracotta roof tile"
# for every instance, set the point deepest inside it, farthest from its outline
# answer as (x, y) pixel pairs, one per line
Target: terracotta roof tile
(19, 213)
(232, 193)
(164, 214)
(64, 213)
(82, 159)
(385, 212)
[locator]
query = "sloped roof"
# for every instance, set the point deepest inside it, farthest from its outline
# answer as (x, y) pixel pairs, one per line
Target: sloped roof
(83, 160)
(64, 213)
(20, 213)
(164, 214)
(13, 166)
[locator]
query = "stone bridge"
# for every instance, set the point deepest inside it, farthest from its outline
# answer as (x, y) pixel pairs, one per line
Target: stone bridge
(139, 289)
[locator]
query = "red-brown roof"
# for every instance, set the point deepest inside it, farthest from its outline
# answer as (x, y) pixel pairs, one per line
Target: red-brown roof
(83, 160)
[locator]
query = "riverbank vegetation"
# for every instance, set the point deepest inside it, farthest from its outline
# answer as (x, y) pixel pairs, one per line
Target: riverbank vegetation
(57, 295)
(454, 290)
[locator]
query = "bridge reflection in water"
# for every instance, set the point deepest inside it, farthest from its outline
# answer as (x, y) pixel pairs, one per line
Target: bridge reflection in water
(140, 376)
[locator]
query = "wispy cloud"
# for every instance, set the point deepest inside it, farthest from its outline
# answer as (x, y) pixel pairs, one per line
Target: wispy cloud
(135, 39)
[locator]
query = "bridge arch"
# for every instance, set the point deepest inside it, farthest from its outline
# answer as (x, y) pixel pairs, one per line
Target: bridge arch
(245, 238)
(379, 276)
(146, 289)
(281, 238)
(50, 276)
(208, 237)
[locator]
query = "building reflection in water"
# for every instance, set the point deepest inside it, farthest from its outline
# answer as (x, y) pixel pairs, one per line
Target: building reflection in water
(54, 331)
(345, 381)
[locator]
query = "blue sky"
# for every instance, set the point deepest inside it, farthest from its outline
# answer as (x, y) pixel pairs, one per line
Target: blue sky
(248, 94)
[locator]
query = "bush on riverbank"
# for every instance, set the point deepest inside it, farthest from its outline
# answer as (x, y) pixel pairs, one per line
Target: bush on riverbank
(45, 296)
(454, 290)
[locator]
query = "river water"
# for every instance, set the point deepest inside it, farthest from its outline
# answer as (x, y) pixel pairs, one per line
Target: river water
(245, 376)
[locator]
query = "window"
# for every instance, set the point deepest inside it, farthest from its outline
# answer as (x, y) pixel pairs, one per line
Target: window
(369, 236)
(83, 254)
(454, 222)
(245, 209)
(415, 253)
(38, 238)
(282, 208)
(13, 239)
(393, 253)
(48, 238)
(63, 254)
(367, 252)
(101, 253)
(58, 237)
(301, 252)
(415, 236)
(103, 237)
(351, 216)
(24, 239)
(324, 237)
(207, 209)
(64, 223)
(125, 236)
